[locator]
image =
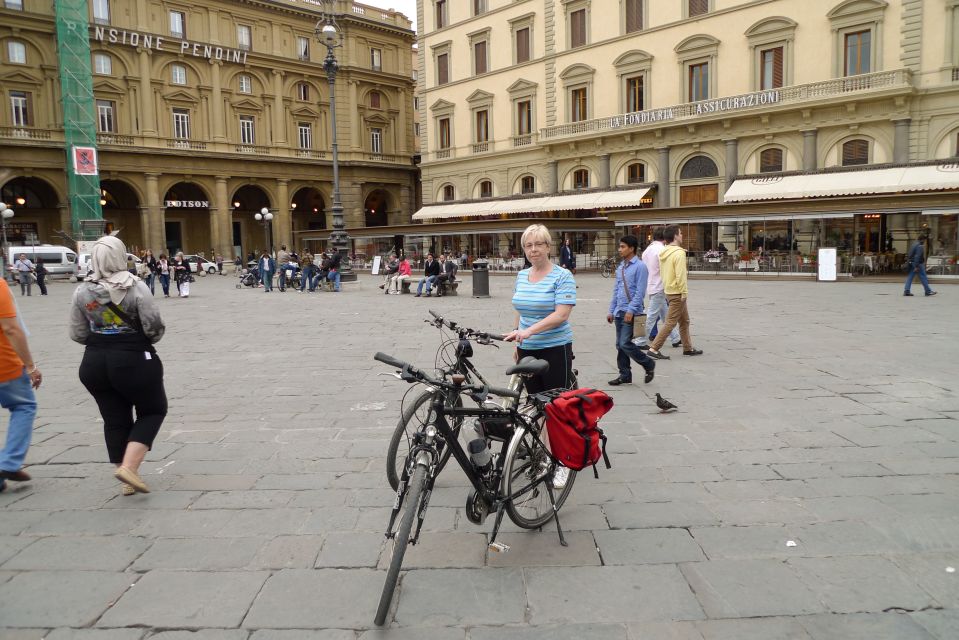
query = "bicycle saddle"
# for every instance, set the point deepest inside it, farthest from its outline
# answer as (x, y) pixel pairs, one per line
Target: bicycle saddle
(529, 366)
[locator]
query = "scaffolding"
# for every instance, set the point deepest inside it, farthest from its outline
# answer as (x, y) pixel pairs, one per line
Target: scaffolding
(79, 120)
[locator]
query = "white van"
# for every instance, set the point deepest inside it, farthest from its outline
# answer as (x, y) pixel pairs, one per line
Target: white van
(84, 268)
(58, 260)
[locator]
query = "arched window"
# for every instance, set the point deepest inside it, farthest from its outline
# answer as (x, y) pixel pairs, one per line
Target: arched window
(581, 179)
(374, 99)
(771, 160)
(528, 184)
(16, 52)
(449, 194)
(486, 189)
(698, 167)
(102, 64)
(246, 83)
(855, 152)
(303, 91)
(636, 173)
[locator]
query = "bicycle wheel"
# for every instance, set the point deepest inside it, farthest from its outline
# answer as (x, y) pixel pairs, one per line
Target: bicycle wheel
(525, 465)
(416, 414)
(402, 538)
(607, 269)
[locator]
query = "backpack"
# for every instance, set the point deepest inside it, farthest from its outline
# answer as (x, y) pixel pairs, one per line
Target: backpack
(572, 422)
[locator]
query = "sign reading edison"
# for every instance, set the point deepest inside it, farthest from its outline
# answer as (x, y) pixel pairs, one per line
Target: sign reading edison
(157, 43)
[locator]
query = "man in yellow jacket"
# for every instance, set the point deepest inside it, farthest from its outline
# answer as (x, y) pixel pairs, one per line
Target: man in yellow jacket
(672, 268)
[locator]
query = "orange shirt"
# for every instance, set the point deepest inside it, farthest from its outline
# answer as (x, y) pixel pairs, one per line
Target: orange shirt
(11, 366)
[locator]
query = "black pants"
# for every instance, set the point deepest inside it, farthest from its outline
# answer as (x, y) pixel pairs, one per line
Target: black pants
(42, 283)
(120, 381)
(560, 374)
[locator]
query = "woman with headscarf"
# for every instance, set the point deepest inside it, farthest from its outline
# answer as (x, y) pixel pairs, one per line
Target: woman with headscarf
(114, 315)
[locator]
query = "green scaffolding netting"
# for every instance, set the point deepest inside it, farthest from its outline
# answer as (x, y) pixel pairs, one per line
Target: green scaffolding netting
(79, 120)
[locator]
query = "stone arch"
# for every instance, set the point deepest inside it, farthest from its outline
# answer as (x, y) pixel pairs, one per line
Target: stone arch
(120, 64)
(771, 24)
(880, 149)
(619, 176)
(852, 7)
(376, 207)
(696, 42)
(749, 153)
(246, 200)
(517, 187)
(577, 70)
(940, 151)
(35, 50)
(476, 188)
(187, 225)
(162, 71)
(309, 209)
(569, 185)
(698, 166)
(386, 99)
(120, 201)
(441, 190)
(35, 203)
(231, 81)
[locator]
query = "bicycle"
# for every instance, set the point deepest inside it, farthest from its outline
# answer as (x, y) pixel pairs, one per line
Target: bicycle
(515, 484)
(608, 267)
(417, 413)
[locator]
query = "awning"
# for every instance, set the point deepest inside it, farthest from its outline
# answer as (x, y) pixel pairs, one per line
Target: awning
(593, 200)
(845, 183)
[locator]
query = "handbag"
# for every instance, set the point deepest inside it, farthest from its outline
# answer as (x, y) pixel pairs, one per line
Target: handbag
(639, 319)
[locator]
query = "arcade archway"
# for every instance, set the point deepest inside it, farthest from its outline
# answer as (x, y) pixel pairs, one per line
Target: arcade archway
(121, 212)
(248, 235)
(375, 208)
(187, 219)
(309, 212)
(36, 216)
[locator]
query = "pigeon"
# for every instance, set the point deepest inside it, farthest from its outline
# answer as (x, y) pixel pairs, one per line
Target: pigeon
(665, 406)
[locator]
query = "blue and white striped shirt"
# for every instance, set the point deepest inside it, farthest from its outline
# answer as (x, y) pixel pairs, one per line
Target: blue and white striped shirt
(535, 301)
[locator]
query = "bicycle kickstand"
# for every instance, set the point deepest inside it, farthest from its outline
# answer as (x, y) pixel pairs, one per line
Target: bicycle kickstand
(498, 547)
(552, 501)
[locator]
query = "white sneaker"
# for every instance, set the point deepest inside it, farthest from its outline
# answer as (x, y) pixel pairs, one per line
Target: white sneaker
(560, 477)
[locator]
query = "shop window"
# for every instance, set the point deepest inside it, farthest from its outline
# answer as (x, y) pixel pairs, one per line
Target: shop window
(374, 99)
(579, 105)
(106, 116)
(178, 74)
(771, 68)
(245, 84)
(581, 179)
(858, 58)
(771, 161)
(178, 24)
(522, 45)
(486, 189)
(303, 92)
(449, 193)
(442, 19)
(102, 64)
(577, 28)
(698, 167)
(855, 152)
(634, 15)
(636, 173)
(16, 52)
(528, 184)
(696, 8)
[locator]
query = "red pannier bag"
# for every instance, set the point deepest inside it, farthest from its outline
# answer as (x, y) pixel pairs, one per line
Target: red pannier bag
(572, 422)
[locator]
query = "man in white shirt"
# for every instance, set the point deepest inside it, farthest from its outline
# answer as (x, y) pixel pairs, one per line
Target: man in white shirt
(657, 307)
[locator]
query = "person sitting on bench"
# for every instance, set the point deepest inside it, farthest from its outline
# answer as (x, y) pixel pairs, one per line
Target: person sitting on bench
(431, 269)
(447, 277)
(403, 273)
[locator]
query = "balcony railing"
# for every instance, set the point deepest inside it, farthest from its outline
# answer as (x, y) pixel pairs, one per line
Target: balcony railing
(955, 74)
(443, 154)
(25, 133)
(386, 157)
(181, 143)
(115, 139)
(480, 147)
(523, 141)
(310, 153)
(252, 148)
(729, 105)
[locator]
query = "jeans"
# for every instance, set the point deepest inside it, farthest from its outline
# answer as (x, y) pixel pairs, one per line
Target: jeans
(268, 280)
(282, 278)
(625, 349)
(921, 270)
(334, 277)
(307, 277)
(657, 311)
(165, 283)
(150, 282)
(17, 396)
(428, 282)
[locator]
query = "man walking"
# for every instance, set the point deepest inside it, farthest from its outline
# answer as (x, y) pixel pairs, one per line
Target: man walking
(333, 274)
(19, 376)
(283, 260)
(917, 265)
(431, 270)
(267, 267)
(656, 311)
(626, 305)
(672, 265)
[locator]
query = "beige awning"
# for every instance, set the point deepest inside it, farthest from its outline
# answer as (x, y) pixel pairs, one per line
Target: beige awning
(845, 183)
(575, 201)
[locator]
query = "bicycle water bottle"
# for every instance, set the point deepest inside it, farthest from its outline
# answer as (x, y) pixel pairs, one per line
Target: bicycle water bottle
(480, 456)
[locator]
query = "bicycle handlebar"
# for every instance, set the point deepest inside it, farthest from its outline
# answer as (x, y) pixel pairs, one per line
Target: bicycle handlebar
(417, 374)
(440, 320)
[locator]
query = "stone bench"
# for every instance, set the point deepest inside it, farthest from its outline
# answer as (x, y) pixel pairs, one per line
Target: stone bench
(446, 288)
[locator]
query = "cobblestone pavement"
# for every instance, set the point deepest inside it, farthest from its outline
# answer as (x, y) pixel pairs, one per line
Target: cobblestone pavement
(821, 414)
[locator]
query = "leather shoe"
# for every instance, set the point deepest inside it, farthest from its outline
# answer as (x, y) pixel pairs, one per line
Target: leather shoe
(657, 354)
(16, 476)
(418, 295)
(693, 352)
(931, 293)
(906, 293)
(615, 382)
(678, 343)
(650, 374)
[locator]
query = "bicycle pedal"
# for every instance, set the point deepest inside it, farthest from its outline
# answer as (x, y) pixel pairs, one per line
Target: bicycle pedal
(499, 547)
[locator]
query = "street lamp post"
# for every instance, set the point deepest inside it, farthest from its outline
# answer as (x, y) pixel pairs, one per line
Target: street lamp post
(328, 35)
(265, 217)
(5, 214)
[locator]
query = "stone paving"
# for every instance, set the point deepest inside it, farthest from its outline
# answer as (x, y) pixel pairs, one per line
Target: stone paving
(821, 414)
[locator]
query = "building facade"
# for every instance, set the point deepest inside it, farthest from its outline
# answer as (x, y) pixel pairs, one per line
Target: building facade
(206, 113)
(699, 108)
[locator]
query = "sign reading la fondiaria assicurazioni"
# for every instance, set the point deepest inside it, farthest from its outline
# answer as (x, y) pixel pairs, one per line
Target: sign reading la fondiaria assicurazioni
(122, 37)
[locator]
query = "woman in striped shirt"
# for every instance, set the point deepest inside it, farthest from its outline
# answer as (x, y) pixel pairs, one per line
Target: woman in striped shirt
(544, 296)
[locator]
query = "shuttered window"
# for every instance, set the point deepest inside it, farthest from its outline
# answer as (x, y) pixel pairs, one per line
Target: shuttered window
(577, 28)
(522, 45)
(698, 7)
(581, 179)
(634, 94)
(580, 105)
(771, 161)
(479, 57)
(482, 126)
(634, 15)
(855, 152)
(374, 99)
(444, 125)
(636, 173)
(771, 61)
(524, 117)
(442, 68)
